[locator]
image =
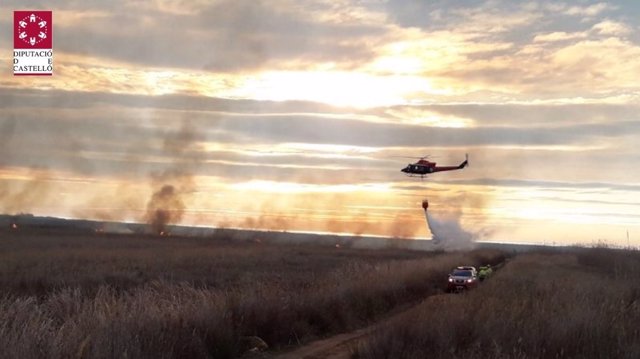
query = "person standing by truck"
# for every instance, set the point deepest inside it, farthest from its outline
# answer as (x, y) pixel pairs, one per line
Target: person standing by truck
(485, 272)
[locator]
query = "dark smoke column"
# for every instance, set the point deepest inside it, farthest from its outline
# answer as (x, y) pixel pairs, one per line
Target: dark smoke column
(165, 207)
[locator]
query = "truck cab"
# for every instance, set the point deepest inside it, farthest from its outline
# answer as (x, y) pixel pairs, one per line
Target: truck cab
(462, 278)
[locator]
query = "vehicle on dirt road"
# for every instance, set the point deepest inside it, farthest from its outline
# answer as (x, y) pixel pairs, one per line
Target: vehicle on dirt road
(471, 268)
(462, 279)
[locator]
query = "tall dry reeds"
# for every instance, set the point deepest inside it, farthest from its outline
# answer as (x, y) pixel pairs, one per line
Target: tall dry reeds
(584, 304)
(113, 296)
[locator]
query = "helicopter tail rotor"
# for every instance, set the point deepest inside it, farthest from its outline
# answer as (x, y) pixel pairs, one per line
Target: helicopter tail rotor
(465, 163)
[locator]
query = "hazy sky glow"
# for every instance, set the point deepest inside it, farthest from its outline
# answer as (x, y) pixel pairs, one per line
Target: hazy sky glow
(290, 114)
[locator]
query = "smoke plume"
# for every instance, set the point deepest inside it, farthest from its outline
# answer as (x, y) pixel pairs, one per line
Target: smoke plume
(167, 204)
(25, 194)
(164, 207)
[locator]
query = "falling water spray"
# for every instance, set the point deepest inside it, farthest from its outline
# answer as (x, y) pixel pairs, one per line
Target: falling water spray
(448, 233)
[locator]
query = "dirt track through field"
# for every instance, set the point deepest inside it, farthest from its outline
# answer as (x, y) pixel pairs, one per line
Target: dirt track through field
(336, 347)
(342, 345)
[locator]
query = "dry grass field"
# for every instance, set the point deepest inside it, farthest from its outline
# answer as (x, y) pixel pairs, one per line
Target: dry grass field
(69, 295)
(579, 304)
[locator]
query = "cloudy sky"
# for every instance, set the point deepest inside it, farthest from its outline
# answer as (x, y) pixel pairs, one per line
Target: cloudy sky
(292, 115)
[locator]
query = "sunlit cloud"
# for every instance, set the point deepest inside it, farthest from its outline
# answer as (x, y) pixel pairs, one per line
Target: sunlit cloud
(349, 89)
(420, 116)
(284, 187)
(298, 113)
(559, 36)
(406, 65)
(588, 10)
(612, 28)
(70, 18)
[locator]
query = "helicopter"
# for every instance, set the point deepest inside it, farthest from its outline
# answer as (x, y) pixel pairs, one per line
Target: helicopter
(424, 167)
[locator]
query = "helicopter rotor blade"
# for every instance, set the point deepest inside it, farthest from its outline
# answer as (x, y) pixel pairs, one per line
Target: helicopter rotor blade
(416, 157)
(411, 157)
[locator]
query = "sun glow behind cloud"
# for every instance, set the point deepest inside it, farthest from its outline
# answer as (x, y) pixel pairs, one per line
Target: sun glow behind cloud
(339, 88)
(289, 188)
(369, 80)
